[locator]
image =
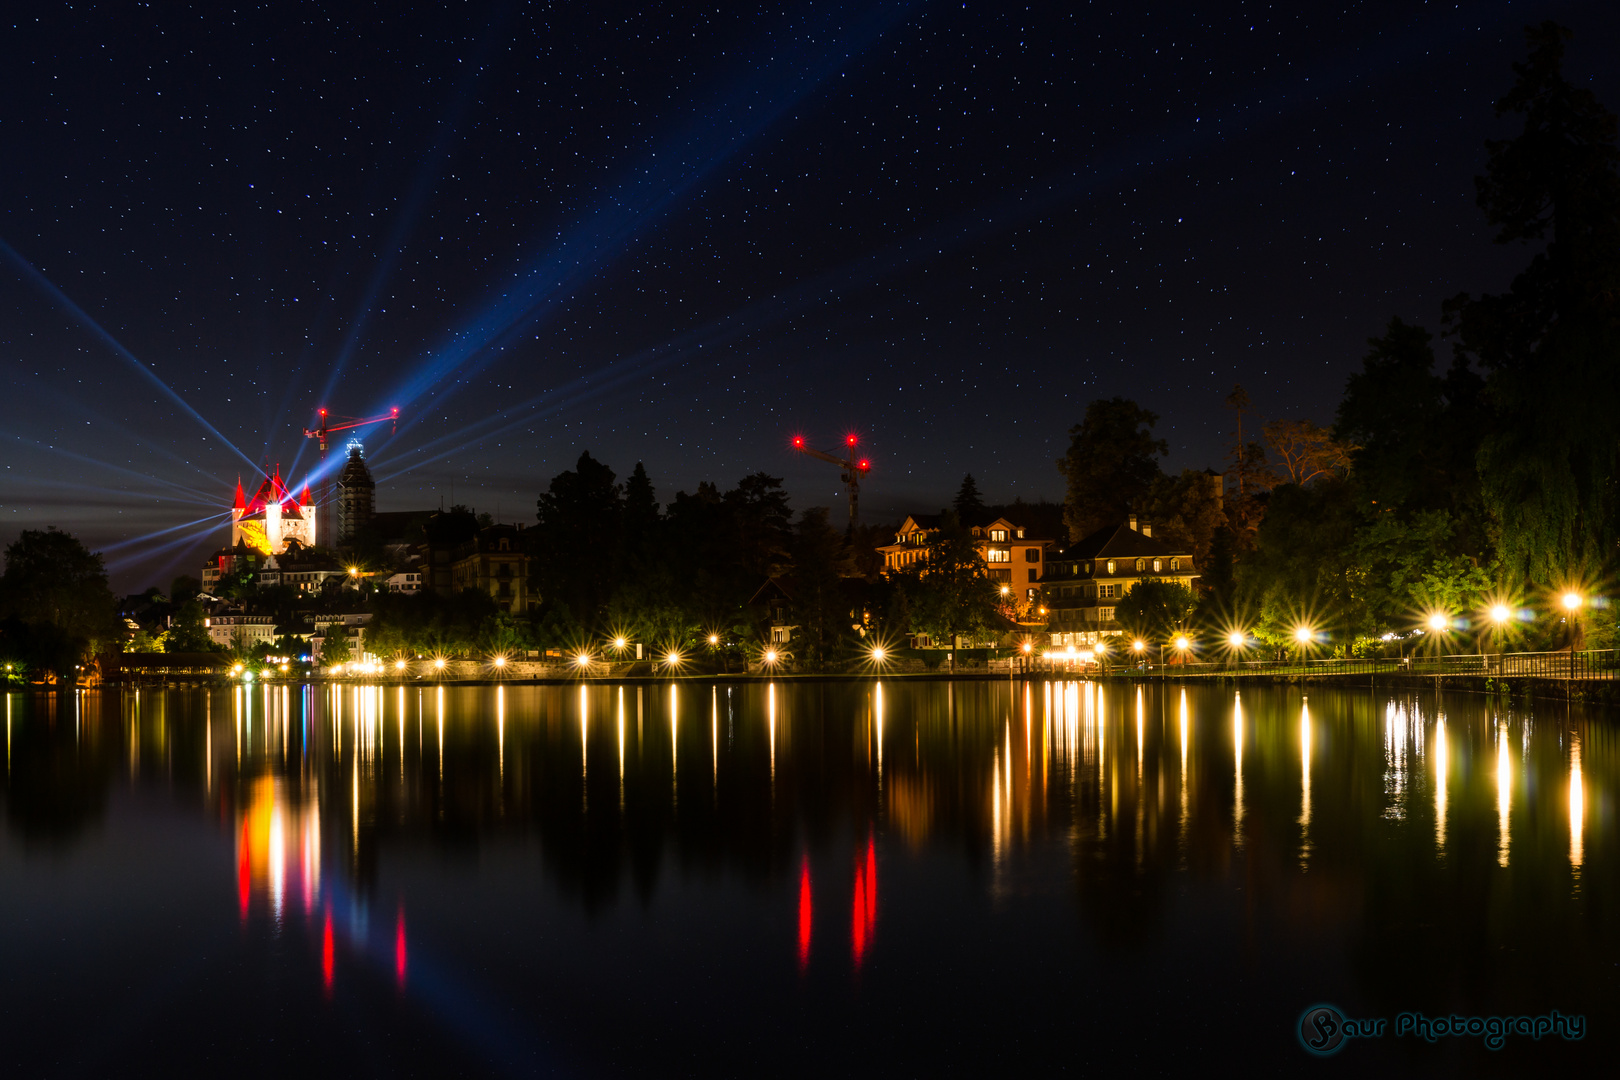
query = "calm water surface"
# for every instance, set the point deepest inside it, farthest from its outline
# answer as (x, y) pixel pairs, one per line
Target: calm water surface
(814, 879)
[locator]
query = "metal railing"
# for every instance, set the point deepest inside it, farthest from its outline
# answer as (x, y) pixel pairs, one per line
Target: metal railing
(1582, 664)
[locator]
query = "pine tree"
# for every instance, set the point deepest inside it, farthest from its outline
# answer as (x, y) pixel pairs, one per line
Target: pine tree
(969, 506)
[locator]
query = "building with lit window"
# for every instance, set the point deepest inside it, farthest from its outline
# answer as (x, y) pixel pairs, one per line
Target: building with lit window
(1011, 558)
(1086, 580)
(494, 562)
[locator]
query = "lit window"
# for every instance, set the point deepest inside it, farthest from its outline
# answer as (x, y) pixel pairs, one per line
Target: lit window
(998, 535)
(1111, 565)
(1141, 565)
(1156, 566)
(1175, 564)
(998, 555)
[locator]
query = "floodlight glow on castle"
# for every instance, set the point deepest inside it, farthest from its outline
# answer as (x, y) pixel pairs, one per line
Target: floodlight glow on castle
(273, 517)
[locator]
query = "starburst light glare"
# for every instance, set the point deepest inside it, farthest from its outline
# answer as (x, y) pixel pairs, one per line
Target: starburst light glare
(438, 663)
(1304, 635)
(618, 643)
(500, 661)
(1182, 642)
(583, 660)
(1500, 613)
(1236, 639)
(1438, 621)
(399, 665)
(1138, 645)
(878, 653)
(1572, 600)
(714, 639)
(770, 656)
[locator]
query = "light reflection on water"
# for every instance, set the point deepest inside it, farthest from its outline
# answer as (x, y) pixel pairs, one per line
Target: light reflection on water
(1118, 828)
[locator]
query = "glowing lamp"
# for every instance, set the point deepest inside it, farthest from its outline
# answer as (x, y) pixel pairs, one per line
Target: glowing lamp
(439, 663)
(1572, 601)
(618, 643)
(798, 442)
(1500, 614)
(1236, 639)
(878, 653)
(1303, 634)
(714, 639)
(1138, 646)
(399, 665)
(500, 661)
(672, 658)
(770, 656)
(1028, 647)
(1005, 590)
(1182, 643)
(850, 439)
(583, 659)
(1071, 650)
(1438, 621)
(354, 571)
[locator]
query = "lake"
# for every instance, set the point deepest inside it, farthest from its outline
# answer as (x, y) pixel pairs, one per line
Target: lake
(802, 878)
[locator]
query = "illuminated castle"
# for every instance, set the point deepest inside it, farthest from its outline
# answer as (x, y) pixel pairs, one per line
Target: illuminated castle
(273, 517)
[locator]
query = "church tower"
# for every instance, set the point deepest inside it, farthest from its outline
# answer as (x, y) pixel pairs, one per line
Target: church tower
(356, 490)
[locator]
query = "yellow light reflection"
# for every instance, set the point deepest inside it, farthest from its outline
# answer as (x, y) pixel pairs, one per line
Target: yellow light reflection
(1504, 794)
(1237, 770)
(1141, 732)
(1442, 771)
(1305, 785)
(878, 722)
(1577, 804)
(674, 749)
(770, 701)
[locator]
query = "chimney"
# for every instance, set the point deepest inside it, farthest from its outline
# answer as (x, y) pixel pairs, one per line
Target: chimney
(1133, 523)
(1147, 529)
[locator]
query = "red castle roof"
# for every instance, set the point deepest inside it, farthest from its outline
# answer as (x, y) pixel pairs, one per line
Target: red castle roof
(272, 491)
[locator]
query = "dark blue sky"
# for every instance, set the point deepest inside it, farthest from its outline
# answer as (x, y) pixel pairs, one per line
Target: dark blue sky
(681, 236)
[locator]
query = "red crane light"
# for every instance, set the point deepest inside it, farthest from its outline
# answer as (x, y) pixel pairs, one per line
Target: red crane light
(866, 466)
(798, 442)
(850, 439)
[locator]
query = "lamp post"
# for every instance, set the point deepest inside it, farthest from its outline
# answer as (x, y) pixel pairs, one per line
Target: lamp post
(1572, 605)
(1303, 635)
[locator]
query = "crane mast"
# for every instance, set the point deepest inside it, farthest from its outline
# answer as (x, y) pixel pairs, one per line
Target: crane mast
(321, 433)
(852, 469)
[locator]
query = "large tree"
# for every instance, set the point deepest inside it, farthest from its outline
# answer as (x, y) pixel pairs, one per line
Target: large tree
(1549, 344)
(576, 538)
(1416, 432)
(968, 504)
(949, 592)
(1111, 464)
(54, 594)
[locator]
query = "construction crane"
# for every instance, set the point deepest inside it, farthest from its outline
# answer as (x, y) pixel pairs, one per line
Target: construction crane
(853, 469)
(325, 427)
(321, 434)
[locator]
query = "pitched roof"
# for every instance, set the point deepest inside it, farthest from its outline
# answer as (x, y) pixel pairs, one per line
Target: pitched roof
(1117, 542)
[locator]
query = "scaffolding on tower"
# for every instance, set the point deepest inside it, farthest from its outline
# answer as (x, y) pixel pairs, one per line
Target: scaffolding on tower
(325, 425)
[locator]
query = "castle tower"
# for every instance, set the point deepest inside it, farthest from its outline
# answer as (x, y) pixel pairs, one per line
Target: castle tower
(355, 495)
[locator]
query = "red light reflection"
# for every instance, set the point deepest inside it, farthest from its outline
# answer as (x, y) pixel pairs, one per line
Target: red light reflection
(864, 915)
(326, 952)
(399, 947)
(804, 914)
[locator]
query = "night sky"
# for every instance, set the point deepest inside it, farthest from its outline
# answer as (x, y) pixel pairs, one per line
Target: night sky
(683, 235)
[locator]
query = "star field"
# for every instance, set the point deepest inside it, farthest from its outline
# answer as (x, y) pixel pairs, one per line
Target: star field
(679, 235)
